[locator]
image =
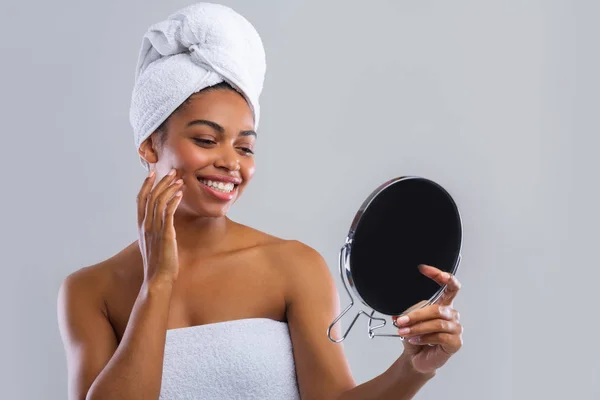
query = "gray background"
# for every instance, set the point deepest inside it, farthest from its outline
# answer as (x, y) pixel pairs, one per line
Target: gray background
(495, 100)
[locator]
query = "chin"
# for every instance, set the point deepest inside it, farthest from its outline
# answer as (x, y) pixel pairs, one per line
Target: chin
(213, 212)
(197, 206)
(203, 206)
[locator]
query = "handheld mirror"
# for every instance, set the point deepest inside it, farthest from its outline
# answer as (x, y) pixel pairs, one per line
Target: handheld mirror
(405, 222)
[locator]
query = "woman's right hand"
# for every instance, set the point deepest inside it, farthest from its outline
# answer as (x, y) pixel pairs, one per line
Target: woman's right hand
(157, 240)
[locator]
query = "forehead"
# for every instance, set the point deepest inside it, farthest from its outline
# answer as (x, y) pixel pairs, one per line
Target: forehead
(226, 107)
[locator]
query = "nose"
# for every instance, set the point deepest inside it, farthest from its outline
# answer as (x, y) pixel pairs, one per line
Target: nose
(228, 159)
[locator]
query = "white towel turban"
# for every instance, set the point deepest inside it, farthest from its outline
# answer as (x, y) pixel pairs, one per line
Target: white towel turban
(198, 46)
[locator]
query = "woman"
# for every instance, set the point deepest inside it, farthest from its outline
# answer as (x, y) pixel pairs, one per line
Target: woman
(203, 307)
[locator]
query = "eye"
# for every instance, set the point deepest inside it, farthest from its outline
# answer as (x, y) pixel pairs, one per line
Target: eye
(205, 141)
(246, 150)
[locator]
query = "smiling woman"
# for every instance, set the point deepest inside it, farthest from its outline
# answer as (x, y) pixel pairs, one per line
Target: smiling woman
(201, 306)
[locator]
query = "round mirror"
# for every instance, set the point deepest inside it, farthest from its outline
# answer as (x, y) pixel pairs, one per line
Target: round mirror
(405, 222)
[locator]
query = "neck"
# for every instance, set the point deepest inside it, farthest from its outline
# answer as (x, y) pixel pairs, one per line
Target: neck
(201, 236)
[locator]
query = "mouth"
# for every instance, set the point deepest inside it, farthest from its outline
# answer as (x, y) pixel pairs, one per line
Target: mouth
(219, 186)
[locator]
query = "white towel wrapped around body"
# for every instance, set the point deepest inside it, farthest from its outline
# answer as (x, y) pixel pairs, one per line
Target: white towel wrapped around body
(245, 359)
(196, 47)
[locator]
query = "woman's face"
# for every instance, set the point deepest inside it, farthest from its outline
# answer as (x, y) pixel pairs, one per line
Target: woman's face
(211, 142)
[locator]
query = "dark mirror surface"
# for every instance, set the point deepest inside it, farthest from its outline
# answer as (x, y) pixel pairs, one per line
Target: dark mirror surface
(413, 221)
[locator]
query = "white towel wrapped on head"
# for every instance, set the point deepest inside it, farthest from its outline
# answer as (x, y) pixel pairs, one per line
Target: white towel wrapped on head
(196, 47)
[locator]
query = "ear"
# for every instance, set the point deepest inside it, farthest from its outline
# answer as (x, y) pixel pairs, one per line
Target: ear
(147, 150)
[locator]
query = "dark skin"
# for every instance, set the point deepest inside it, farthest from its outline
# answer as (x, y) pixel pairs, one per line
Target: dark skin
(193, 265)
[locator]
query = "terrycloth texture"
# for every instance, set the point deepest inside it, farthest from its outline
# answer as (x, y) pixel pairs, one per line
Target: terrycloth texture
(198, 46)
(246, 359)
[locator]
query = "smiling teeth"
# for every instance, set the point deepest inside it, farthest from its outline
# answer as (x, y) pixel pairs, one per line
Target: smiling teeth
(220, 186)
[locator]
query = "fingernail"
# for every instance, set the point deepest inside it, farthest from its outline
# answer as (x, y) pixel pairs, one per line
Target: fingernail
(403, 331)
(402, 320)
(414, 340)
(172, 172)
(151, 174)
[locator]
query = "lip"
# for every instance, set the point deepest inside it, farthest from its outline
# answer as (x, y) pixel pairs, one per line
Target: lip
(216, 194)
(221, 178)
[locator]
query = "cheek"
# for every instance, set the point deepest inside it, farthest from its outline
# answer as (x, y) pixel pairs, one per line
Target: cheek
(248, 169)
(190, 156)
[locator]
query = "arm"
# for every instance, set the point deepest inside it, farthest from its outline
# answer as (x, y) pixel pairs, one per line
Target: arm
(321, 366)
(399, 382)
(99, 368)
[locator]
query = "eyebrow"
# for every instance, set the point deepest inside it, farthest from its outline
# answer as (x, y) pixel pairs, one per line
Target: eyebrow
(218, 127)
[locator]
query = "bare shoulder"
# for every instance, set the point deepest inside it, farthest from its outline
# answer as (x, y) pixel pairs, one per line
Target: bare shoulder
(298, 254)
(300, 263)
(91, 282)
(294, 259)
(304, 266)
(86, 282)
(289, 250)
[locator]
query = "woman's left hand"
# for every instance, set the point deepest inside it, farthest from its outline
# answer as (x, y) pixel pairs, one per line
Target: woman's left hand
(432, 333)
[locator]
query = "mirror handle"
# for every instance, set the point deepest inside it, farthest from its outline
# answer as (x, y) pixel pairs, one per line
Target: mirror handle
(342, 264)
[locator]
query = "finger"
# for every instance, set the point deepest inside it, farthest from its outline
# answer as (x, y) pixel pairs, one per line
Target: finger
(449, 342)
(408, 310)
(450, 291)
(161, 204)
(168, 225)
(433, 311)
(442, 278)
(431, 326)
(436, 274)
(142, 196)
(151, 203)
